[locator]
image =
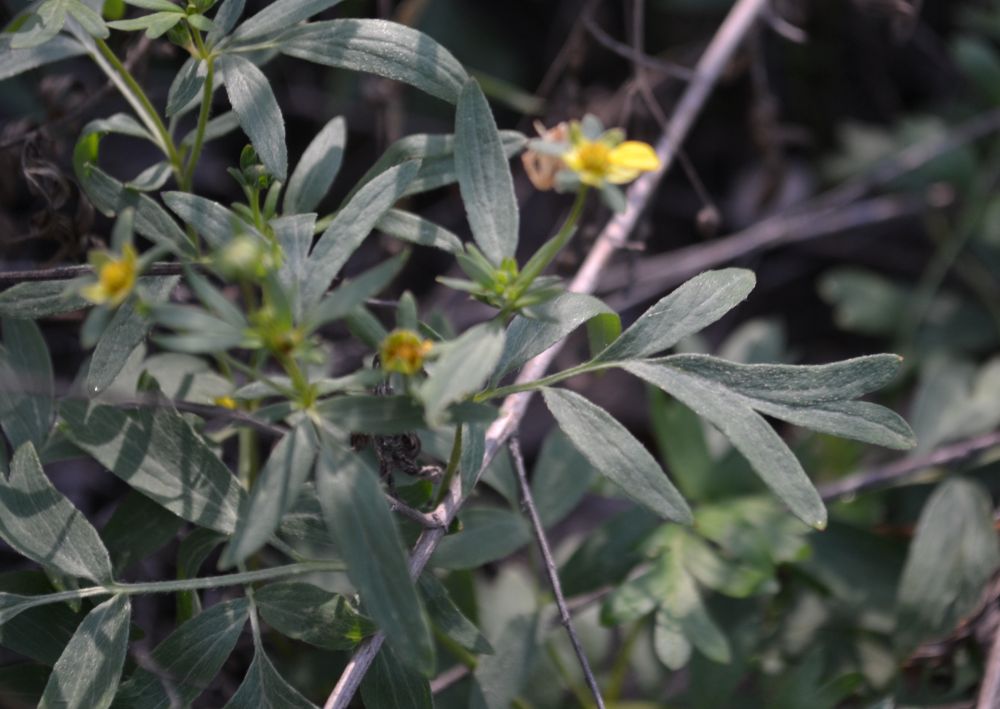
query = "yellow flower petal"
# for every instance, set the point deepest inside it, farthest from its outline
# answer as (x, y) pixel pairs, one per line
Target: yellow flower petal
(634, 155)
(95, 293)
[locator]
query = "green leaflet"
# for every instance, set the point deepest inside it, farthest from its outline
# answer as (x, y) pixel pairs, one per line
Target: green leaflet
(40, 523)
(156, 451)
(87, 673)
(616, 453)
(365, 531)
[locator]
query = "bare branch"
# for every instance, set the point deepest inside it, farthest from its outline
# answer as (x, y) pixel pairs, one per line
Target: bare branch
(710, 67)
(630, 53)
(550, 570)
(888, 474)
(65, 273)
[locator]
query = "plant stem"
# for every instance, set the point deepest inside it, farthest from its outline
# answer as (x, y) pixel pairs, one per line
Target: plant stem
(179, 585)
(544, 256)
(203, 114)
(151, 116)
(453, 461)
(543, 382)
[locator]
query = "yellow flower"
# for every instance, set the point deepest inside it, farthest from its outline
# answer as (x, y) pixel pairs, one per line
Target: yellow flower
(599, 161)
(403, 351)
(226, 402)
(115, 277)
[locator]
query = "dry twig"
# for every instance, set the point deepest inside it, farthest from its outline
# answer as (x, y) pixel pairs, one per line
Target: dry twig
(893, 472)
(550, 569)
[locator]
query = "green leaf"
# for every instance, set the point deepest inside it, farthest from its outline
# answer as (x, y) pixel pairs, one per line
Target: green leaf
(692, 307)
(123, 334)
(22, 684)
(39, 299)
(638, 596)
(187, 660)
(151, 220)
(31, 625)
(365, 531)
(40, 523)
(87, 674)
(273, 493)
(952, 556)
(156, 24)
(461, 369)
(90, 20)
(186, 86)
(217, 224)
(137, 528)
(157, 452)
(350, 226)
(152, 178)
(436, 154)
(484, 176)
(279, 16)
(264, 688)
(680, 438)
(253, 101)
(381, 48)
(295, 234)
(156, 5)
(616, 454)
(390, 684)
(752, 436)
(560, 479)
(192, 552)
(550, 323)
(49, 19)
(487, 534)
(417, 230)
(500, 676)
(682, 611)
(382, 415)
(473, 452)
(447, 617)
(17, 61)
(814, 397)
(316, 169)
(225, 20)
(312, 615)
(27, 386)
(342, 301)
(794, 384)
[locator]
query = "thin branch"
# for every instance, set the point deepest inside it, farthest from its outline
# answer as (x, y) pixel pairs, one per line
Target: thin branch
(431, 520)
(724, 44)
(65, 273)
(989, 690)
(550, 569)
(654, 274)
(633, 55)
(827, 214)
(448, 678)
(894, 472)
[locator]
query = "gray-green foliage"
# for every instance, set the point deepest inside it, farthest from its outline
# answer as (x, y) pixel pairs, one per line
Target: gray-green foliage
(263, 286)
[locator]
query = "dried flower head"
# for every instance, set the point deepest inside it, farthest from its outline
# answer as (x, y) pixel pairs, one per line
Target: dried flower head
(542, 167)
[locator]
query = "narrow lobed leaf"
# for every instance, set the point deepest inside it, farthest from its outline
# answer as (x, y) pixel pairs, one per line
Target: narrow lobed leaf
(365, 532)
(40, 523)
(690, 308)
(87, 673)
(616, 454)
(484, 176)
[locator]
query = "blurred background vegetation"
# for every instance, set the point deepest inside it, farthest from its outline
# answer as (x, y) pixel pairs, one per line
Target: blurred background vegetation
(850, 156)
